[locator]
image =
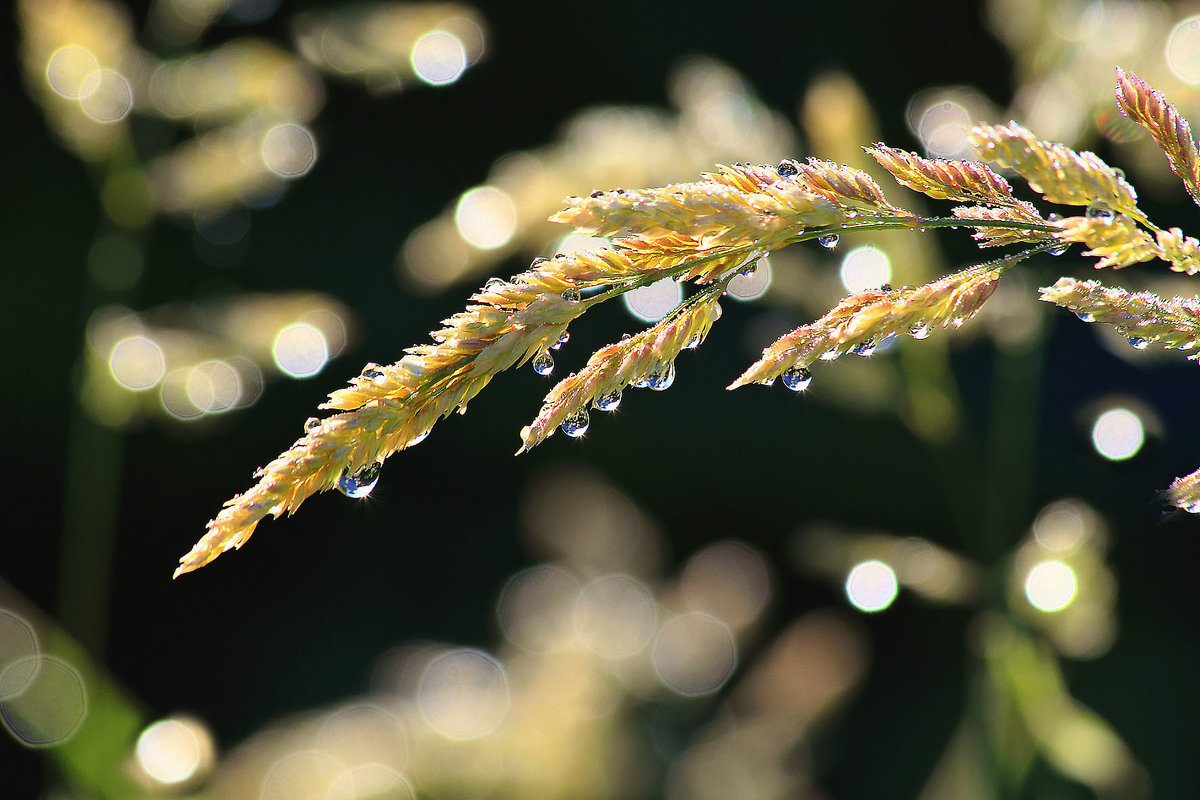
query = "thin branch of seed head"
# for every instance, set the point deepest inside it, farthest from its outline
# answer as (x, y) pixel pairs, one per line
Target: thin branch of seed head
(632, 361)
(875, 314)
(1169, 129)
(1143, 317)
(1184, 492)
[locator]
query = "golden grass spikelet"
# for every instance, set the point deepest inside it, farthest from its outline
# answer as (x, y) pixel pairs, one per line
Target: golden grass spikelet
(1143, 317)
(944, 179)
(851, 189)
(721, 209)
(873, 315)
(1185, 492)
(1020, 212)
(1147, 107)
(1054, 170)
(1182, 251)
(1115, 238)
(625, 363)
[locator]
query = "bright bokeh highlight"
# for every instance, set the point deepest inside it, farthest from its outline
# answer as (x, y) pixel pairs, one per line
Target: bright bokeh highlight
(464, 694)
(18, 654)
(439, 58)
(615, 616)
(1050, 586)
(872, 586)
(174, 750)
(1118, 434)
(106, 96)
(485, 217)
(51, 707)
(137, 363)
(694, 654)
(753, 286)
(652, 303)
(865, 268)
(1182, 50)
(289, 150)
(300, 350)
(68, 69)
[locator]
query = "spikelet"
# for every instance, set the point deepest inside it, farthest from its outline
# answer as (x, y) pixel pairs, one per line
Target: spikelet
(1022, 213)
(1148, 108)
(1143, 317)
(851, 189)
(730, 208)
(1185, 493)
(1183, 252)
(648, 358)
(1113, 237)
(943, 179)
(876, 314)
(1057, 172)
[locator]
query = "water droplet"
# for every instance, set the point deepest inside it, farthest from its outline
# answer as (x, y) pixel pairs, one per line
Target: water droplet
(1086, 316)
(360, 483)
(749, 269)
(371, 372)
(561, 341)
(311, 424)
(886, 342)
(1138, 343)
(1099, 212)
(787, 169)
(493, 285)
(597, 193)
(661, 377)
(717, 312)
(543, 363)
(693, 342)
(920, 331)
(576, 425)
(572, 295)
(608, 402)
(537, 262)
(418, 439)
(957, 322)
(1058, 250)
(624, 337)
(796, 378)
(865, 348)
(830, 354)
(829, 240)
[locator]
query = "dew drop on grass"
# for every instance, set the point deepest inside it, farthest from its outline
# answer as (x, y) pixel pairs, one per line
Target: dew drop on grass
(543, 363)
(572, 296)
(576, 425)
(865, 348)
(371, 372)
(661, 378)
(796, 378)
(920, 331)
(1100, 212)
(561, 341)
(787, 169)
(311, 424)
(1138, 343)
(1086, 316)
(829, 240)
(493, 285)
(608, 402)
(360, 483)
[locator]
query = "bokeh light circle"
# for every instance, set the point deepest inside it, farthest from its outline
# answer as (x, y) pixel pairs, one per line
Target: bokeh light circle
(439, 58)
(50, 709)
(864, 268)
(289, 150)
(694, 654)
(652, 303)
(615, 616)
(871, 586)
(107, 96)
(485, 217)
(1118, 434)
(300, 350)
(1050, 586)
(1182, 50)
(464, 694)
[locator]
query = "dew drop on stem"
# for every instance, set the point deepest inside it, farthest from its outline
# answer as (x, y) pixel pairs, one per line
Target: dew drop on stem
(829, 240)
(360, 483)
(796, 378)
(661, 377)
(1138, 343)
(1099, 212)
(543, 363)
(572, 296)
(608, 402)
(576, 425)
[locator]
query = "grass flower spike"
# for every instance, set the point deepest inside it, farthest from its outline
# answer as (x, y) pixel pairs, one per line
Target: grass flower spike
(705, 233)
